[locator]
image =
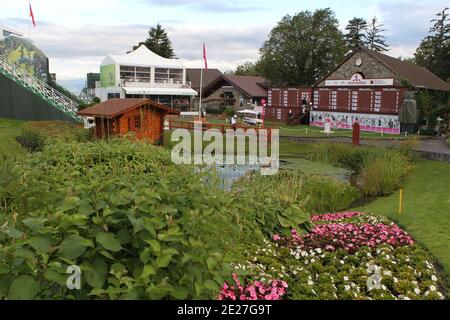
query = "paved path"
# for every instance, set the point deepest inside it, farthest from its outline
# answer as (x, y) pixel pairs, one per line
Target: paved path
(429, 148)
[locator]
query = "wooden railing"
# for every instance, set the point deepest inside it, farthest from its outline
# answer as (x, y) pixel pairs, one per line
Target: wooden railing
(205, 126)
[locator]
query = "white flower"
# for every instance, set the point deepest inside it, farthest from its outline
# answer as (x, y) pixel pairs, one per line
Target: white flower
(434, 278)
(345, 278)
(310, 283)
(406, 298)
(427, 293)
(417, 291)
(342, 262)
(395, 280)
(432, 288)
(387, 273)
(318, 250)
(347, 288)
(313, 260)
(383, 287)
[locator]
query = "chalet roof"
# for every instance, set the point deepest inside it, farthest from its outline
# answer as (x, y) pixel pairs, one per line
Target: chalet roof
(193, 75)
(115, 107)
(142, 57)
(418, 76)
(252, 86)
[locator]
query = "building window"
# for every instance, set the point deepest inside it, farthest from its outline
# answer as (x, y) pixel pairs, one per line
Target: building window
(137, 122)
(164, 75)
(135, 74)
(113, 96)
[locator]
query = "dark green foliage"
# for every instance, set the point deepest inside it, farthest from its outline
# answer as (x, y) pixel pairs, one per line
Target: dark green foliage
(248, 69)
(375, 40)
(434, 50)
(36, 134)
(302, 48)
(356, 29)
(380, 170)
(138, 226)
(158, 42)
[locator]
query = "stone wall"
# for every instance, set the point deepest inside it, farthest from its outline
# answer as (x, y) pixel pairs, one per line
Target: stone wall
(371, 69)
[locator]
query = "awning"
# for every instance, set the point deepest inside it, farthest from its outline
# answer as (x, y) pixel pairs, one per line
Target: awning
(160, 91)
(250, 112)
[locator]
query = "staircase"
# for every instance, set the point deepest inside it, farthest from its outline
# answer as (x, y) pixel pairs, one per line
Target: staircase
(40, 88)
(297, 119)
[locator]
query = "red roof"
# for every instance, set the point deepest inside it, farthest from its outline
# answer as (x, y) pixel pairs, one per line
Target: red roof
(193, 75)
(252, 86)
(115, 107)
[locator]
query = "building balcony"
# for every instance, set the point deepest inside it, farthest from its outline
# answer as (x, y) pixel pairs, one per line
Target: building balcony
(166, 84)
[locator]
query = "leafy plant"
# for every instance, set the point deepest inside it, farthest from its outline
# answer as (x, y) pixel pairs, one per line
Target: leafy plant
(138, 226)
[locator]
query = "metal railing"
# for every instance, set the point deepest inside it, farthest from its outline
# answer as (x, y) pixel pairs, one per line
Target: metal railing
(39, 87)
(172, 85)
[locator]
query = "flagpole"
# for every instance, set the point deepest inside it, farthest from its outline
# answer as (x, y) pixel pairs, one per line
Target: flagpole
(201, 84)
(201, 92)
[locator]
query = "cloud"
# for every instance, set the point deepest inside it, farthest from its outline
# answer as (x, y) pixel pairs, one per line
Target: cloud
(406, 24)
(211, 6)
(74, 51)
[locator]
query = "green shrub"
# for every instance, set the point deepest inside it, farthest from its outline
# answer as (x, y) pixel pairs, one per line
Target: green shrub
(36, 134)
(381, 169)
(230, 112)
(325, 195)
(138, 226)
(383, 174)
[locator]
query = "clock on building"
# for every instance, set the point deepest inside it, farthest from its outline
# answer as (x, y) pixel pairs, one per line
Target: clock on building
(359, 62)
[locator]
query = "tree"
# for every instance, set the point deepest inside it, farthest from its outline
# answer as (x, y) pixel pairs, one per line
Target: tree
(303, 48)
(356, 29)
(248, 69)
(434, 51)
(158, 42)
(375, 40)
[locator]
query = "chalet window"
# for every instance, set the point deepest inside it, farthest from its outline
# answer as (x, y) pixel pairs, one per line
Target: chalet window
(137, 122)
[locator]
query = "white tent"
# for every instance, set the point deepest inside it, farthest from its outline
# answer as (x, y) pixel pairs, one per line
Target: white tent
(142, 56)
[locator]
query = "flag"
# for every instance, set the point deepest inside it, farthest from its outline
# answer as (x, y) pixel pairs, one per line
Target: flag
(205, 59)
(32, 16)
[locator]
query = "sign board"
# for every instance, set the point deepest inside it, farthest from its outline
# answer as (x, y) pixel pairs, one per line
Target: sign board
(358, 81)
(368, 122)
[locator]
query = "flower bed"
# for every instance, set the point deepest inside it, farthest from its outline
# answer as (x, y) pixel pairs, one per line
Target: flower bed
(363, 257)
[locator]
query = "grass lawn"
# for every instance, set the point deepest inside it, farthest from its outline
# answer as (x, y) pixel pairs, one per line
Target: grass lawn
(426, 212)
(9, 130)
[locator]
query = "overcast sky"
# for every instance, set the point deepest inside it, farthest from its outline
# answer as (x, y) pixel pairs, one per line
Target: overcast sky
(76, 35)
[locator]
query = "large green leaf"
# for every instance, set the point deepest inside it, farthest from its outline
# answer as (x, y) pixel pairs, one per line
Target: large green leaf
(108, 241)
(23, 288)
(72, 247)
(95, 276)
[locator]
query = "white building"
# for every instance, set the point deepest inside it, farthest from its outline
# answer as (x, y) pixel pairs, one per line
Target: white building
(144, 74)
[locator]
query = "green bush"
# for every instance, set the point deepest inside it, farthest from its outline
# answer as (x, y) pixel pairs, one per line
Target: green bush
(383, 174)
(36, 134)
(303, 193)
(230, 112)
(325, 195)
(138, 226)
(380, 169)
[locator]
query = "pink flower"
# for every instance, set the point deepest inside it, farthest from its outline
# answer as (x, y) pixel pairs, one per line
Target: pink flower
(276, 237)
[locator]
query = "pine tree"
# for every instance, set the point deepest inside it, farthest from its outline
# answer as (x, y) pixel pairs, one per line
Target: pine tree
(158, 42)
(355, 32)
(375, 40)
(434, 51)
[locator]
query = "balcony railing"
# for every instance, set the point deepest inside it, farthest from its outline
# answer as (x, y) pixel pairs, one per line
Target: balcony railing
(177, 85)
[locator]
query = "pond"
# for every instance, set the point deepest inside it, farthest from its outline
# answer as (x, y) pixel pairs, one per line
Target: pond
(229, 174)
